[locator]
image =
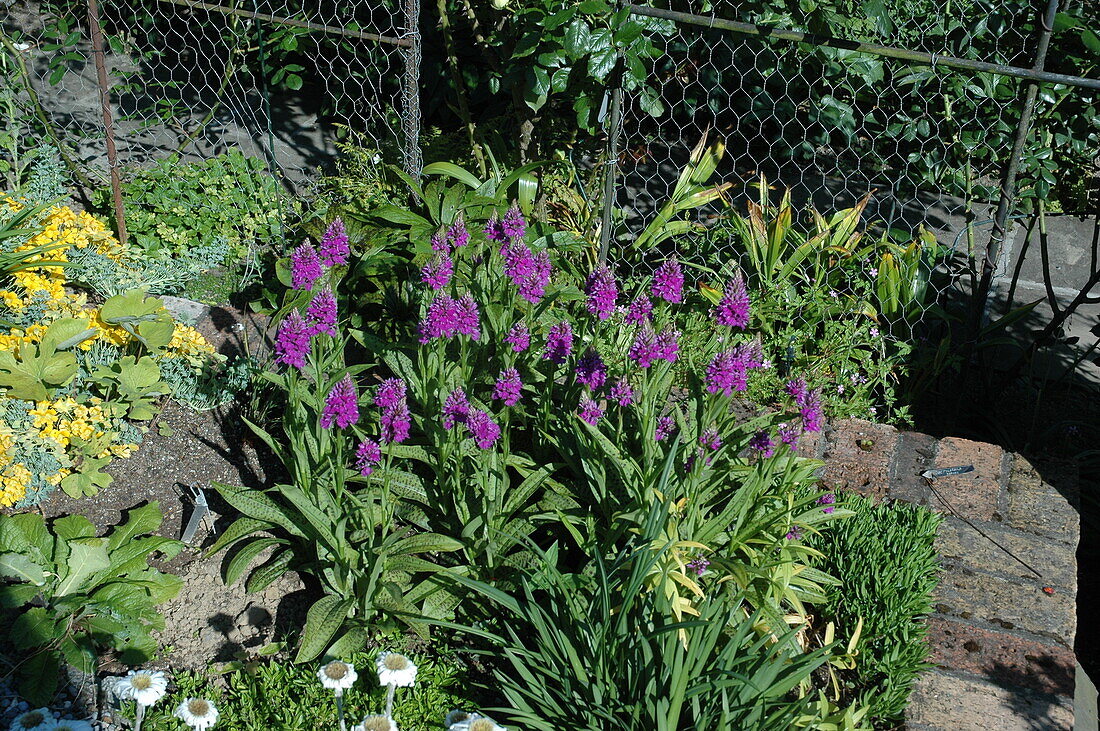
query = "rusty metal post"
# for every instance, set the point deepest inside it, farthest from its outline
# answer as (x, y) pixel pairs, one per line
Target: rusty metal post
(108, 127)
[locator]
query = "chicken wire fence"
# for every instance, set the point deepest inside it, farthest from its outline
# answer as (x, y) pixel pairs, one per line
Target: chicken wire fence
(833, 120)
(272, 86)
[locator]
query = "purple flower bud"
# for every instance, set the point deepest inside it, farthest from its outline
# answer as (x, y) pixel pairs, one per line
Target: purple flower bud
(305, 267)
(390, 393)
(644, 350)
(622, 393)
(590, 412)
(518, 337)
(341, 406)
(396, 423)
(559, 343)
(602, 292)
(639, 310)
(494, 230)
(438, 271)
(761, 443)
(456, 409)
(733, 309)
(591, 370)
(457, 235)
(709, 439)
(322, 313)
(367, 455)
(668, 282)
(334, 245)
(508, 387)
(665, 426)
(668, 345)
(483, 429)
(513, 225)
(292, 342)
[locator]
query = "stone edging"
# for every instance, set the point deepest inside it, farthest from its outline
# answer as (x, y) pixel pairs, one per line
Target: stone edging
(1001, 637)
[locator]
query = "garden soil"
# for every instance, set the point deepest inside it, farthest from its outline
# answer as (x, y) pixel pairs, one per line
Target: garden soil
(208, 622)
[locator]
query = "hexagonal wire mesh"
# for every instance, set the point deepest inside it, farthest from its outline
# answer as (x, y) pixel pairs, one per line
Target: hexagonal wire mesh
(928, 143)
(280, 81)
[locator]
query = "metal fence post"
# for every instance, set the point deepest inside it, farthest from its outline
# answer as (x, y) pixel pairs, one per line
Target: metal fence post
(1008, 181)
(108, 127)
(410, 91)
(615, 126)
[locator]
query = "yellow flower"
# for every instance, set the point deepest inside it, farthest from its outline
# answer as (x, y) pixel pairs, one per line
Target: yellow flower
(14, 480)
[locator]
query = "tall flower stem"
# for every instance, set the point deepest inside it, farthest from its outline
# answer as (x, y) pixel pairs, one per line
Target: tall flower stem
(340, 710)
(139, 716)
(390, 689)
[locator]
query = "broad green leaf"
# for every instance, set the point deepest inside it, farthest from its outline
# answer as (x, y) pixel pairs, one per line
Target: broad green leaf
(275, 567)
(86, 557)
(237, 530)
(20, 567)
(424, 543)
(35, 627)
(451, 170)
(139, 521)
(25, 532)
(71, 527)
(256, 504)
(353, 640)
(323, 619)
(39, 675)
(14, 596)
(236, 565)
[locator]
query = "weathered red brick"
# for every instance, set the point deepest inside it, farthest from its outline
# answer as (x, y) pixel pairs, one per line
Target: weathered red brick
(961, 545)
(974, 494)
(858, 455)
(914, 454)
(1008, 603)
(1006, 658)
(1044, 500)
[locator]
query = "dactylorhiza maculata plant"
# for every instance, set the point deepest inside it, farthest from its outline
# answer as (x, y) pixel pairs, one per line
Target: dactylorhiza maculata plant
(536, 395)
(335, 515)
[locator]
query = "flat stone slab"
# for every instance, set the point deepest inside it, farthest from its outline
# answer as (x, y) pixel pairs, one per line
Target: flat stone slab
(956, 703)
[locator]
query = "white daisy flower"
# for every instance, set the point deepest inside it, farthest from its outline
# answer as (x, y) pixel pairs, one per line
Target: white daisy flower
(198, 713)
(476, 722)
(397, 670)
(40, 719)
(456, 716)
(376, 723)
(69, 724)
(338, 676)
(145, 687)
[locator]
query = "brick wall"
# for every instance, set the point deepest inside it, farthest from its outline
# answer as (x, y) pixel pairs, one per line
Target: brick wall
(1001, 637)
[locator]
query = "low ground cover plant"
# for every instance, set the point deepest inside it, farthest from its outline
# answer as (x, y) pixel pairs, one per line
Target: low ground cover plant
(78, 378)
(265, 695)
(184, 219)
(885, 559)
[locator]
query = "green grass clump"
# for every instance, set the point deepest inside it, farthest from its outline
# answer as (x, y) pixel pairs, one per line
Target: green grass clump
(886, 560)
